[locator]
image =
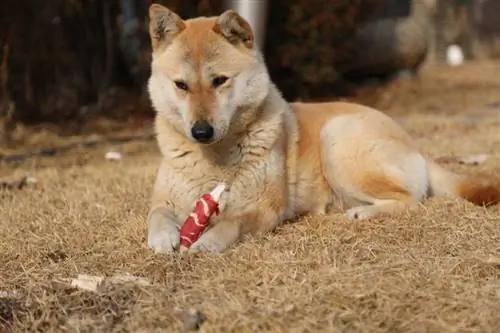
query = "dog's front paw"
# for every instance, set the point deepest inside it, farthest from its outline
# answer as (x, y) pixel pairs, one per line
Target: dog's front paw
(362, 212)
(165, 240)
(207, 244)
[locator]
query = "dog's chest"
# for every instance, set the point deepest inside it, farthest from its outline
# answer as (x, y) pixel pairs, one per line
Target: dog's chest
(194, 176)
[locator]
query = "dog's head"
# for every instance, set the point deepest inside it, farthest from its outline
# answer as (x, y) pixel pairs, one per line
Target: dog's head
(205, 72)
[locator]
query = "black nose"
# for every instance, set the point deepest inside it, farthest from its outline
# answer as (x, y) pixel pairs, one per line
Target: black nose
(202, 132)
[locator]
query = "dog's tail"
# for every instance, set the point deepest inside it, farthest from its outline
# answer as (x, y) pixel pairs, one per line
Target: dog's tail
(474, 189)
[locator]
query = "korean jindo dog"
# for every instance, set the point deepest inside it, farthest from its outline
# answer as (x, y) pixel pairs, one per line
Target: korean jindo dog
(219, 118)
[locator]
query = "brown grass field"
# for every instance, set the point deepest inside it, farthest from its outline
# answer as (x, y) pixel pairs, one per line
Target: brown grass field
(434, 270)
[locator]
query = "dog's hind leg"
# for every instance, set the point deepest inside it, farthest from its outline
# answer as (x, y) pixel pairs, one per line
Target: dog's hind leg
(381, 207)
(372, 172)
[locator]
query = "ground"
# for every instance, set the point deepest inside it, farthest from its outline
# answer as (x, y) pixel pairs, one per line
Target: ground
(434, 270)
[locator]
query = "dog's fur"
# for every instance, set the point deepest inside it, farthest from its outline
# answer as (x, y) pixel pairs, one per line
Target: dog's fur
(281, 160)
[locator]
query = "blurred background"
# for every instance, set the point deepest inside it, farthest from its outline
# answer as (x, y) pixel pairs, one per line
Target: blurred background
(71, 66)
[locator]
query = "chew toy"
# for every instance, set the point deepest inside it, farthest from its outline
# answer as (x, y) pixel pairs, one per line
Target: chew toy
(198, 220)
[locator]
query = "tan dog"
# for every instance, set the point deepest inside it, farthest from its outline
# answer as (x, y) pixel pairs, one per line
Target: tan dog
(220, 118)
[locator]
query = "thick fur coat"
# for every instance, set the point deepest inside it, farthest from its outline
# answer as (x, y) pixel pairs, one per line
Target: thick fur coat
(220, 118)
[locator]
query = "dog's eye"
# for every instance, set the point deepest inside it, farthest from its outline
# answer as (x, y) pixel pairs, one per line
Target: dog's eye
(181, 85)
(219, 81)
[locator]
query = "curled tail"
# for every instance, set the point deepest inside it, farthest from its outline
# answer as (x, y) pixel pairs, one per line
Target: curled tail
(474, 189)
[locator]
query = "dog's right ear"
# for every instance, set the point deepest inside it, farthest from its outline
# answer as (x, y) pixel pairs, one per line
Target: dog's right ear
(164, 26)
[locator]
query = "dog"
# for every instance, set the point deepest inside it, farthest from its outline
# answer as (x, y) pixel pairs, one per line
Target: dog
(220, 118)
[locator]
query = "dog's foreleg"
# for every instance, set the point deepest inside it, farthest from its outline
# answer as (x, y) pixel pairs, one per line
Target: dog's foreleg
(229, 231)
(218, 238)
(163, 230)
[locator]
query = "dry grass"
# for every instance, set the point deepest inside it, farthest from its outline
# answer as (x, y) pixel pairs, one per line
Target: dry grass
(436, 270)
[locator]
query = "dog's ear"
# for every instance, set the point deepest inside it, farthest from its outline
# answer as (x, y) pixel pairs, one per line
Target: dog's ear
(235, 29)
(164, 26)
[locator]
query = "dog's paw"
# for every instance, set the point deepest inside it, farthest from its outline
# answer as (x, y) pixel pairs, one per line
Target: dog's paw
(362, 212)
(164, 241)
(207, 244)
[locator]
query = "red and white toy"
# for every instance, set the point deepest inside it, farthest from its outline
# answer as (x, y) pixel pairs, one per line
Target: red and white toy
(198, 220)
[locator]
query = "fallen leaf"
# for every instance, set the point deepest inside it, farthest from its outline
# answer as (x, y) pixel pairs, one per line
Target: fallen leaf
(92, 283)
(87, 282)
(113, 156)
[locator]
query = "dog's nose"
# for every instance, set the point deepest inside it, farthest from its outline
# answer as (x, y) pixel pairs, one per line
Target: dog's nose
(202, 132)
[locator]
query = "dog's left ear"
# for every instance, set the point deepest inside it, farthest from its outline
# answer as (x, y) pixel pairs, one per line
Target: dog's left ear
(235, 29)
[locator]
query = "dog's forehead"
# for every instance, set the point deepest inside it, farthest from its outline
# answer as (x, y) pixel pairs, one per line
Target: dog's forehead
(199, 51)
(200, 42)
